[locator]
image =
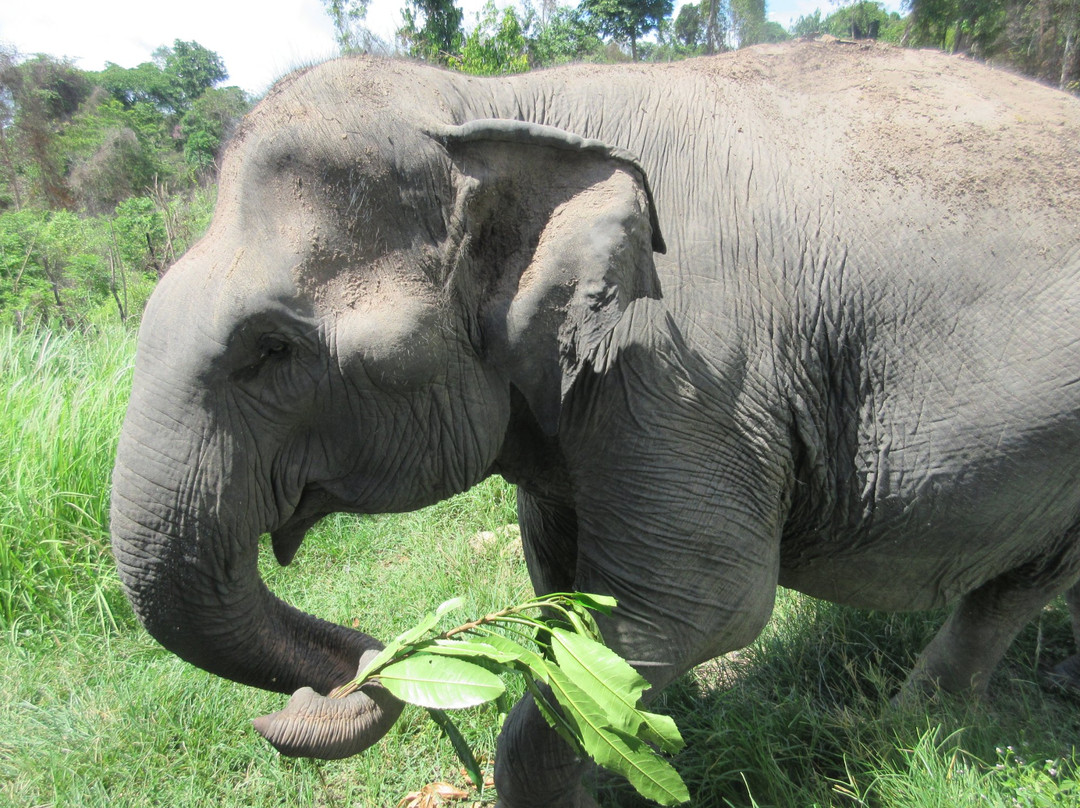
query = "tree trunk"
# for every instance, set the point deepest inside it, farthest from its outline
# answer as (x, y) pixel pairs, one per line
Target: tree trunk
(1070, 61)
(711, 24)
(5, 150)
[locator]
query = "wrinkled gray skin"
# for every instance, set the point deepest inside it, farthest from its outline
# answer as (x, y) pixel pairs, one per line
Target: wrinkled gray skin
(852, 372)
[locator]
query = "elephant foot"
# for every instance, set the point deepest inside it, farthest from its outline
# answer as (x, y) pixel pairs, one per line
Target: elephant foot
(580, 800)
(1065, 676)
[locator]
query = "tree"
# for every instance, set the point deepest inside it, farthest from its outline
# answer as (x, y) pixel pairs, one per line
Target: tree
(809, 24)
(689, 28)
(143, 84)
(43, 95)
(9, 192)
(701, 27)
(716, 15)
(346, 15)
(1043, 40)
(209, 124)
(748, 21)
(432, 30)
(565, 34)
(628, 20)
(189, 70)
(177, 76)
(496, 45)
(772, 31)
(862, 19)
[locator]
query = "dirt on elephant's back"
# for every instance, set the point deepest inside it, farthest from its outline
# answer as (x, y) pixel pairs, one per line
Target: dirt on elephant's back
(967, 134)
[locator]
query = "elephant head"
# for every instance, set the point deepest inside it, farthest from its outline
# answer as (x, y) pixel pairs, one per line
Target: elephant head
(348, 336)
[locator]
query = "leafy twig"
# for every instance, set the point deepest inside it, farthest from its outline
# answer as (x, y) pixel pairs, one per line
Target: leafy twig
(596, 692)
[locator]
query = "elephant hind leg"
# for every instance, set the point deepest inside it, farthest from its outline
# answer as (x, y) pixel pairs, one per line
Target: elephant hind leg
(1067, 674)
(984, 623)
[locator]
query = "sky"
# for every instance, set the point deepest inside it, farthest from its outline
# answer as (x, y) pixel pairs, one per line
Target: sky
(258, 41)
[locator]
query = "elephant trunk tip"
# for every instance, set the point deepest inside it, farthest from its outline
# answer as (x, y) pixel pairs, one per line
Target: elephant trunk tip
(316, 726)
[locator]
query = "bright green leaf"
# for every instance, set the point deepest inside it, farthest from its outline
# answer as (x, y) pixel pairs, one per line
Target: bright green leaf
(448, 606)
(426, 624)
(601, 603)
(472, 649)
(620, 752)
(527, 659)
(615, 686)
(605, 676)
(662, 731)
(444, 683)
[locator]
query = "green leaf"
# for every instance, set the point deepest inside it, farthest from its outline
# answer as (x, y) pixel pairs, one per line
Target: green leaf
(584, 624)
(461, 746)
(620, 752)
(528, 661)
(471, 648)
(652, 776)
(448, 606)
(662, 731)
(600, 603)
(606, 677)
(427, 622)
(564, 729)
(613, 684)
(440, 682)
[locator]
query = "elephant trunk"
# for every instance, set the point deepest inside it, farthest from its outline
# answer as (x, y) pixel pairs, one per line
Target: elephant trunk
(194, 584)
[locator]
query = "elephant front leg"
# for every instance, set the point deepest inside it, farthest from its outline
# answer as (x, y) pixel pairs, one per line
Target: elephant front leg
(682, 598)
(534, 767)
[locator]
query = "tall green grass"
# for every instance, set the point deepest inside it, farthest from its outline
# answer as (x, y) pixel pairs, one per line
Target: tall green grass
(94, 713)
(62, 399)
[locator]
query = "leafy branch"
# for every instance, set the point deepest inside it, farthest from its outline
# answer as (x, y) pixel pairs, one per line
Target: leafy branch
(596, 692)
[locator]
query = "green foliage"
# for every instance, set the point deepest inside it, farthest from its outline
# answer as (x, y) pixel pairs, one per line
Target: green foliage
(628, 20)
(748, 24)
(347, 17)
(689, 28)
(496, 45)
(432, 30)
(864, 19)
(97, 715)
(568, 34)
(959, 25)
(75, 140)
(1042, 38)
(41, 95)
(597, 693)
(699, 29)
(60, 270)
(172, 82)
(62, 397)
(189, 70)
(143, 84)
(114, 152)
(208, 125)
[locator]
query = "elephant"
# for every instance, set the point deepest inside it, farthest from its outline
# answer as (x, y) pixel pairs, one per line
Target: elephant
(802, 315)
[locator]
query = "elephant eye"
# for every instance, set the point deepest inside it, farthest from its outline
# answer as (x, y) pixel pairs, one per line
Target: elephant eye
(271, 347)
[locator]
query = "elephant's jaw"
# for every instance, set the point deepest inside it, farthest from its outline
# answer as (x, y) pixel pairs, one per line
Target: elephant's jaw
(315, 503)
(287, 538)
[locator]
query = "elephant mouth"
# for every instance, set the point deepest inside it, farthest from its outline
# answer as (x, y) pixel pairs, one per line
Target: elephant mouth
(287, 537)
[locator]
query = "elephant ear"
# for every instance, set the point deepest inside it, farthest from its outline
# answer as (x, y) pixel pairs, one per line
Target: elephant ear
(551, 238)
